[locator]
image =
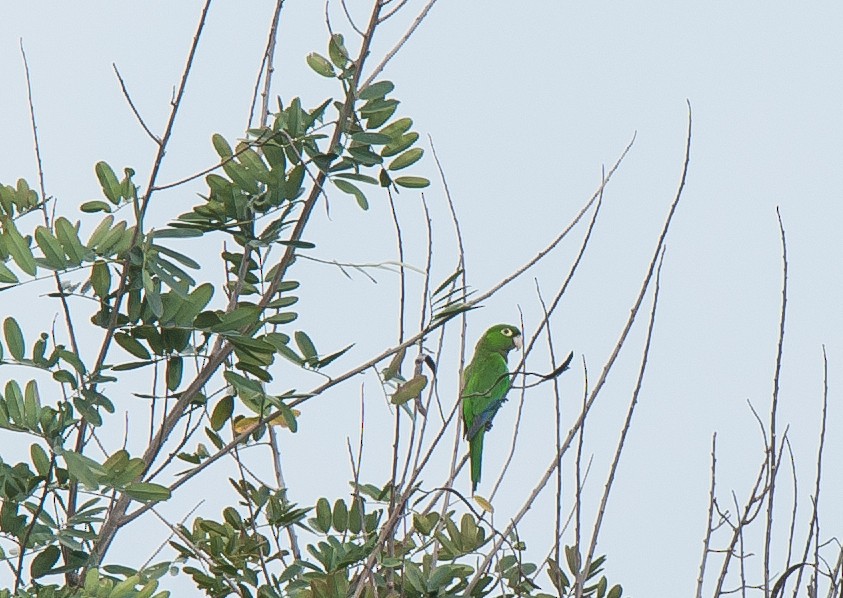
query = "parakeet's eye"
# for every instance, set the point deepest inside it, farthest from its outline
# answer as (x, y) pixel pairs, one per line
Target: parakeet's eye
(507, 331)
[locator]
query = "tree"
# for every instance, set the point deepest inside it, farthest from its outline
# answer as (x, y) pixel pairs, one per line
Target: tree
(140, 304)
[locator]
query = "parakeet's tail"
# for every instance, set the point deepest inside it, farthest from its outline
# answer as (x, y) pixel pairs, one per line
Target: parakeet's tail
(476, 451)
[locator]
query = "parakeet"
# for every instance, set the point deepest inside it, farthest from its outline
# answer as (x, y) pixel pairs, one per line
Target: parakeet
(486, 381)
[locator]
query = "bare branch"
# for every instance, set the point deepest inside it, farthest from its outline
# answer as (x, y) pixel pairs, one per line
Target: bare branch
(134, 108)
(773, 463)
(709, 527)
(389, 55)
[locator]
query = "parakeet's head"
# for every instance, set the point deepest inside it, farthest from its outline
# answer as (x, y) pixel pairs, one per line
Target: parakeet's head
(501, 338)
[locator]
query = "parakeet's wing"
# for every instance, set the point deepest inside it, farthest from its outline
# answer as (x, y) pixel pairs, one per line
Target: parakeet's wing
(486, 383)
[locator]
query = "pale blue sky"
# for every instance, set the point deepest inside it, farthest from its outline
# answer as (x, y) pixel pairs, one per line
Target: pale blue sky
(525, 103)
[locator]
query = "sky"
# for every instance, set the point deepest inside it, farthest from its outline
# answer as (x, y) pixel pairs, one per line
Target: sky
(525, 105)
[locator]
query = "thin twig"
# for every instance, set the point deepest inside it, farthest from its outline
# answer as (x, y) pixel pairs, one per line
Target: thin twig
(128, 97)
(601, 511)
(73, 490)
(746, 516)
(389, 55)
(773, 463)
(267, 68)
(398, 7)
(402, 307)
(814, 527)
(579, 478)
(350, 20)
(794, 505)
(710, 521)
(279, 480)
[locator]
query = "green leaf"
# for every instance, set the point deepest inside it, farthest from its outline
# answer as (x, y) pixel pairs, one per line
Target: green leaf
(152, 294)
(289, 416)
(363, 178)
(253, 161)
(73, 359)
(285, 317)
(557, 577)
(337, 50)
(64, 377)
(88, 411)
(50, 247)
(299, 244)
(238, 318)
(179, 257)
(396, 129)
(425, 523)
(615, 592)
(222, 412)
(132, 345)
(14, 338)
(117, 462)
(7, 275)
(364, 156)
(96, 205)
(100, 231)
(112, 239)
(406, 159)
(320, 64)
(306, 346)
(241, 384)
(381, 107)
(31, 406)
(147, 492)
(221, 145)
(197, 300)
(100, 279)
(293, 183)
(174, 233)
(376, 90)
(282, 302)
(340, 516)
(324, 361)
(44, 561)
(69, 239)
(18, 248)
(83, 468)
(412, 182)
(126, 587)
(130, 365)
(323, 515)
(409, 390)
(377, 119)
(108, 181)
(40, 459)
(175, 366)
(572, 555)
(352, 189)
(14, 402)
(396, 147)
(367, 138)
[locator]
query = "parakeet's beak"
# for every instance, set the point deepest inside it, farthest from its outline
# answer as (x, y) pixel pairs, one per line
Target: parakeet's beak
(518, 342)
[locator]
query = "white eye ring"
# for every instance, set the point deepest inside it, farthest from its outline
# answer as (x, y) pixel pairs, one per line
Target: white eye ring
(506, 331)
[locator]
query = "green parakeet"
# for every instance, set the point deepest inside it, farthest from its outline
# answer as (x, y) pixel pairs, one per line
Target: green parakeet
(486, 381)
